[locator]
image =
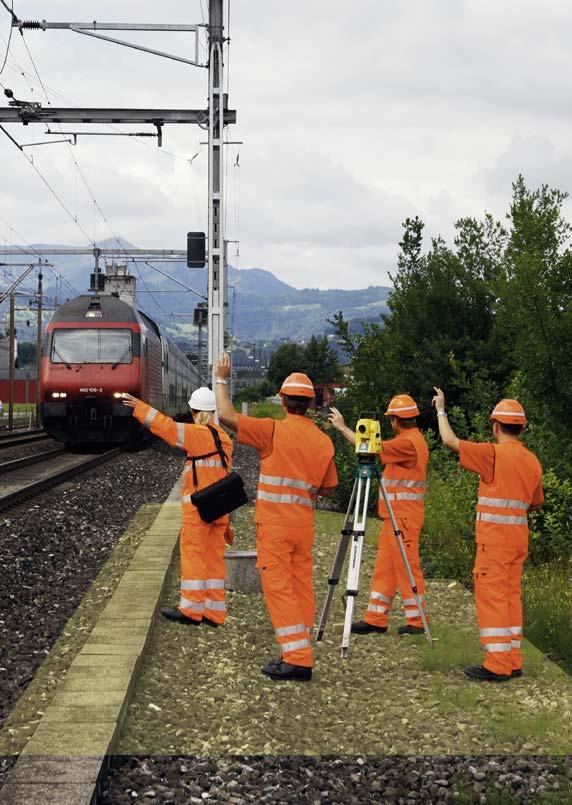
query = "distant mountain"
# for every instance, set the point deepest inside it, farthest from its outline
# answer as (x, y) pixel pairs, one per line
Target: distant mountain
(261, 306)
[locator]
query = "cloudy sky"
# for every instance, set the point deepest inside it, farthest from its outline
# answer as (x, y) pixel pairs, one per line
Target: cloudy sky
(353, 116)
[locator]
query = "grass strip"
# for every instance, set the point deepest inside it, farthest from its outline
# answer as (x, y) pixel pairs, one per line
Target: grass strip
(30, 707)
(201, 692)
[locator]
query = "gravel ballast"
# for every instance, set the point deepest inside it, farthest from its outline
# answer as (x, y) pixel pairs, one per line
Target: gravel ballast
(52, 548)
(347, 780)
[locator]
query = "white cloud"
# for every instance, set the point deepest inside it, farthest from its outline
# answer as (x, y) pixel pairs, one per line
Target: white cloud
(353, 117)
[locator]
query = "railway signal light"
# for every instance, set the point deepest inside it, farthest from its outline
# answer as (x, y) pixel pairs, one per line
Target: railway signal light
(196, 251)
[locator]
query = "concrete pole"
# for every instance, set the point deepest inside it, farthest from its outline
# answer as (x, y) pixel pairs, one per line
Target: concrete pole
(39, 347)
(11, 359)
(217, 270)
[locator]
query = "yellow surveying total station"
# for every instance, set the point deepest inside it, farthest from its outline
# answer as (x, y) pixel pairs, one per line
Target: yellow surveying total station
(368, 434)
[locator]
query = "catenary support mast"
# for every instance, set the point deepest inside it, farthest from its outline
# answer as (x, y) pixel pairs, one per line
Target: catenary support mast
(217, 278)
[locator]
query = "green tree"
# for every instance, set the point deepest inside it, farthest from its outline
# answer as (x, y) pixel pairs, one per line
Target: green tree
(535, 311)
(288, 358)
(321, 361)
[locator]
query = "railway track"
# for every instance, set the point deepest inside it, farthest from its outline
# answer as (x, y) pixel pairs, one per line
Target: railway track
(28, 477)
(12, 439)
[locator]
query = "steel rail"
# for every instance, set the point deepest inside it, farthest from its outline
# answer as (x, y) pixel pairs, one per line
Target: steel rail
(13, 440)
(35, 458)
(37, 487)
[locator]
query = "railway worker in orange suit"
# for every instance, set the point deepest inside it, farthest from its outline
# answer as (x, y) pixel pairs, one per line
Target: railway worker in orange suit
(296, 464)
(405, 459)
(510, 486)
(201, 544)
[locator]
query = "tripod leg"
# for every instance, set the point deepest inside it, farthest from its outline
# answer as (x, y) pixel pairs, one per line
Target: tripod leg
(355, 562)
(338, 563)
(399, 539)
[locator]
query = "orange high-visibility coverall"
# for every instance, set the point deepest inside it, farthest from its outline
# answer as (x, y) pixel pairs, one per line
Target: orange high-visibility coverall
(201, 544)
(405, 458)
(511, 482)
(296, 460)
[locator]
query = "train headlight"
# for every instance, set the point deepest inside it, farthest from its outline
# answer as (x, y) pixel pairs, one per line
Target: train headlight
(59, 394)
(119, 395)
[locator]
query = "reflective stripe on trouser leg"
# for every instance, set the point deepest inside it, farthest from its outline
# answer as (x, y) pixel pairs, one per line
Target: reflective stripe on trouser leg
(215, 608)
(383, 583)
(275, 548)
(515, 608)
(192, 600)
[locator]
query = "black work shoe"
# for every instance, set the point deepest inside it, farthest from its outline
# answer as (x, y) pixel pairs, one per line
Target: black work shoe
(177, 615)
(482, 674)
(363, 627)
(271, 665)
(285, 671)
(208, 622)
(515, 673)
(410, 629)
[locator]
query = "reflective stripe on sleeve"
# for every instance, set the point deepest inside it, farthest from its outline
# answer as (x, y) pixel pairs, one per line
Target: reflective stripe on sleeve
(381, 597)
(295, 644)
(196, 606)
(502, 519)
(275, 480)
(496, 646)
(192, 584)
(403, 495)
(515, 643)
(389, 483)
(502, 503)
(413, 613)
(214, 584)
(272, 498)
(516, 630)
(217, 606)
(284, 631)
(377, 608)
(151, 414)
(180, 434)
(492, 631)
(204, 462)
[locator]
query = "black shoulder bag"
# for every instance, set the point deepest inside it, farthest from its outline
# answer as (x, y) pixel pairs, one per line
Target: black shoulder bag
(223, 496)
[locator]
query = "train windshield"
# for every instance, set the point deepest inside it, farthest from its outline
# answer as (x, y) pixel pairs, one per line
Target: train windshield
(92, 346)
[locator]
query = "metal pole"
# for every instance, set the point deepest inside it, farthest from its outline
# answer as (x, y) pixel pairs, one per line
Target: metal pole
(11, 358)
(200, 357)
(217, 281)
(39, 347)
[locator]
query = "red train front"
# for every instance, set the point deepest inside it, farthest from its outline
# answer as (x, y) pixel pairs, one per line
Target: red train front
(95, 348)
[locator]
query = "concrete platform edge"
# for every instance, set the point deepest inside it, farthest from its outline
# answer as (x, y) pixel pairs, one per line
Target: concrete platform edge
(79, 777)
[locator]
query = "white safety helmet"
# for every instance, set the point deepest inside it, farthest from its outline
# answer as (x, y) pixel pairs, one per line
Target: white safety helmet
(203, 399)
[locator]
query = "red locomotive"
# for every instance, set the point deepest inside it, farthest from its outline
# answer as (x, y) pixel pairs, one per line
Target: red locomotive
(95, 348)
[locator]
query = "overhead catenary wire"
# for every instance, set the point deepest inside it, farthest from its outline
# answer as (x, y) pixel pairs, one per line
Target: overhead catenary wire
(8, 44)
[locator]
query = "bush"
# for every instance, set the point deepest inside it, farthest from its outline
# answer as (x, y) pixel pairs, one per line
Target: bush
(551, 527)
(266, 409)
(448, 537)
(547, 602)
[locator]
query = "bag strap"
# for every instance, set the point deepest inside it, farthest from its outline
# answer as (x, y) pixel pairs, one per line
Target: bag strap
(219, 451)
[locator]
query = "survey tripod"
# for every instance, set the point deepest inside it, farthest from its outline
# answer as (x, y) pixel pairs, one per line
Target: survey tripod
(353, 531)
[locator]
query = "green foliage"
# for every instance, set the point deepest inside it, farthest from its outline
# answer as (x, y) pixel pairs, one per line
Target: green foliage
(547, 602)
(26, 353)
(448, 537)
(266, 409)
(316, 358)
(551, 527)
(256, 392)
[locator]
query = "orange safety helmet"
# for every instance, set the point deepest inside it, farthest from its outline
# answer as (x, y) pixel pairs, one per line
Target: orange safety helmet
(298, 385)
(402, 406)
(508, 412)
